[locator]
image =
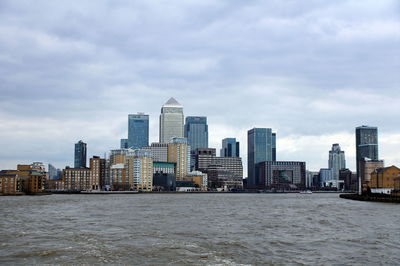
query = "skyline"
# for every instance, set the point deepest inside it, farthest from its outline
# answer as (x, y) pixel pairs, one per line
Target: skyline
(312, 72)
(243, 154)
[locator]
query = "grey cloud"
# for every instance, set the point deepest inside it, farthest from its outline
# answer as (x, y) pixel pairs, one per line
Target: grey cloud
(310, 68)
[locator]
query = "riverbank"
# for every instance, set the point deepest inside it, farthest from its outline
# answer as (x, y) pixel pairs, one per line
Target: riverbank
(373, 197)
(95, 192)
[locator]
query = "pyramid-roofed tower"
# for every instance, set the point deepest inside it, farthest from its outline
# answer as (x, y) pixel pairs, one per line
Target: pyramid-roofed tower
(171, 121)
(172, 102)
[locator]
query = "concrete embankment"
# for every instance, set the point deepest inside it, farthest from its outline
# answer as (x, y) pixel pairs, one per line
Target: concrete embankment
(372, 197)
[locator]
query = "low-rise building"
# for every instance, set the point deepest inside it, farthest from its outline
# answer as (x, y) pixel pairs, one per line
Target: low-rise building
(119, 177)
(186, 186)
(384, 179)
(9, 184)
(203, 158)
(328, 180)
(219, 178)
(367, 166)
(32, 177)
(55, 185)
(200, 179)
(348, 179)
(77, 179)
(27, 179)
(281, 174)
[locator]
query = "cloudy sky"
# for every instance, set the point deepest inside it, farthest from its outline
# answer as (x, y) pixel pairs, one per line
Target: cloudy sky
(311, 70)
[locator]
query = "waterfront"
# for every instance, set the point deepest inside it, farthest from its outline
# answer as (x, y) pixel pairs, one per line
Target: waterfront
(198, 229)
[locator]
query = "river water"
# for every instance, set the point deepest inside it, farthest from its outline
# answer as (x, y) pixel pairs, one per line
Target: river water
(201, 229)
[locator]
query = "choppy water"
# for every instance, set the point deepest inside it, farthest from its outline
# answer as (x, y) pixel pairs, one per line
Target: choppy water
(202, 229)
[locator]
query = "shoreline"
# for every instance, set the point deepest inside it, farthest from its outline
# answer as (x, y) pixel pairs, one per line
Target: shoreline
(171, 192)
(372, 198)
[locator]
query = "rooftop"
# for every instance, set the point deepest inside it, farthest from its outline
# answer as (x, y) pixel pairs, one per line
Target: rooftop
(172, 102)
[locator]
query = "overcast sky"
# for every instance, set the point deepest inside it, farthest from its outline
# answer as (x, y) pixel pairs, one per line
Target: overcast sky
(310, 70)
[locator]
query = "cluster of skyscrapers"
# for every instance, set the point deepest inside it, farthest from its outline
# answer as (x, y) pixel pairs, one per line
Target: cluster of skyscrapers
(340, 177)
(182, 160)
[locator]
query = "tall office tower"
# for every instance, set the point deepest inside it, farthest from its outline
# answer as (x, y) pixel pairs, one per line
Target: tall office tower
(196, 132)
(259, 149)
(179, 153)
(138, 130)
(52, 172)
(171, 121)
(336, 160)
(366, 145)
(230, 148)
(80, 154)
(124, 144)
(273, 146)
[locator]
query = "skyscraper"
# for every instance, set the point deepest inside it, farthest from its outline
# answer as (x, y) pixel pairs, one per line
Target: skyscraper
(230, 148)
(336, 161)
(196, 132)
(259, 149)
(171, 121)
(80, 154)
(124, 144)
(52, 173)
(273, 146)
(138, 130)
(366, 144)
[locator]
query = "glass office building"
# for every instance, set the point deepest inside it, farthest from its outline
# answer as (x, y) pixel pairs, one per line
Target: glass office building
(138, 131)
(124, 144)
(230, 148)
(273, 146)
(196, 132)
(366, 144)
(259, 149)
(336, 161)
(80, 154)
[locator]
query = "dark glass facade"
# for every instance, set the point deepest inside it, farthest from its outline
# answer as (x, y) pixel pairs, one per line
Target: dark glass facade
(196, 132)
(80, 154)
(273, 146)
(138, 131)
(366, 144)
(124, 144)
(259, 149)
(230, 148)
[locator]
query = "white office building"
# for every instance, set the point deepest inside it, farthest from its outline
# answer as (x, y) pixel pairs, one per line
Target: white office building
(171, 121)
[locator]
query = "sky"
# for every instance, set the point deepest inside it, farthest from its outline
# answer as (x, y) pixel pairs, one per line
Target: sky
(310, 70)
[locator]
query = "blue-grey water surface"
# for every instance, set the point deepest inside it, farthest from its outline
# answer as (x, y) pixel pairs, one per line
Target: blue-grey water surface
(201, 229)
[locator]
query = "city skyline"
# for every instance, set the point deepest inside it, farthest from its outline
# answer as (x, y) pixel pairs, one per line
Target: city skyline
(312, 72)
(244, 155)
